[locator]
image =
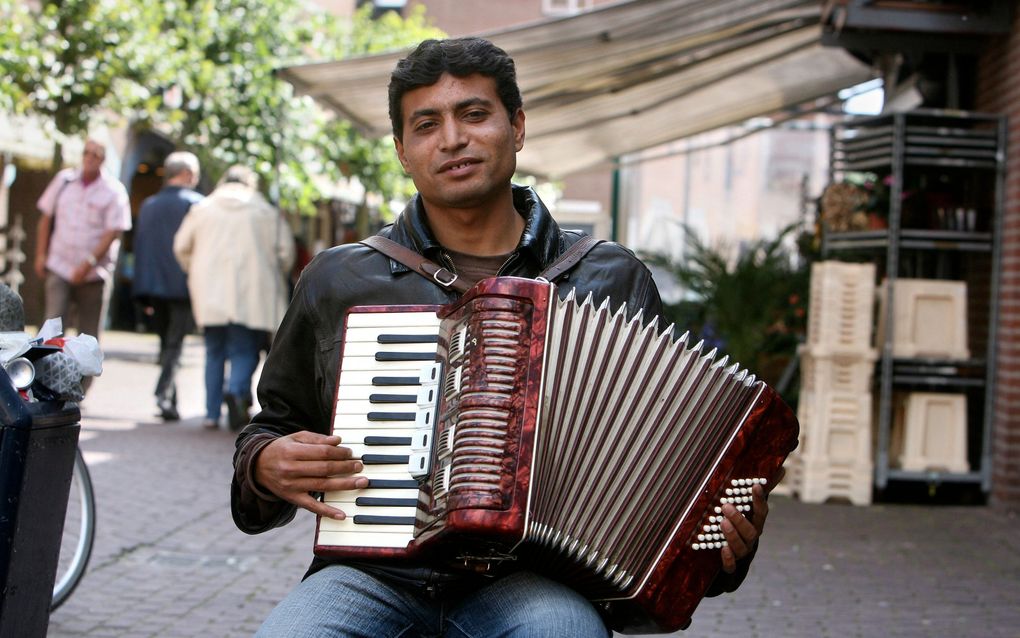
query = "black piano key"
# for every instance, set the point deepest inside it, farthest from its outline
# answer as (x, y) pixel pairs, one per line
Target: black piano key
(395, 381)
(384, 459)
(393, 484)
(387, 440)
(434, 338)
(391, 416)
(392, 398)
(367, 519)
(377, 501)
(405, 356)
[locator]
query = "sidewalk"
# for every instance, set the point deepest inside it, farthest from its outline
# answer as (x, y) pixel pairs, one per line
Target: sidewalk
(169, 562)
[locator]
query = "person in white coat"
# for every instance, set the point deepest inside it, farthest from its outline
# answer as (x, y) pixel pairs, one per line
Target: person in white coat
(236, 249)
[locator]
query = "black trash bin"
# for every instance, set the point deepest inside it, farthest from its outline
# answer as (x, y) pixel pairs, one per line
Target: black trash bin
(37, 448)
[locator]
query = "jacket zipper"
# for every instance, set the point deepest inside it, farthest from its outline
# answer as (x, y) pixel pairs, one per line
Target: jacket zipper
(506, 263)
(447, 261)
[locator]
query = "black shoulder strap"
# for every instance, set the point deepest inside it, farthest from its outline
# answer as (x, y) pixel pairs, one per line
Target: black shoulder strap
(447, 279)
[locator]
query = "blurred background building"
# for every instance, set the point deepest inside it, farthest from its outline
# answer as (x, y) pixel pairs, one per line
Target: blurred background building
(652, 119)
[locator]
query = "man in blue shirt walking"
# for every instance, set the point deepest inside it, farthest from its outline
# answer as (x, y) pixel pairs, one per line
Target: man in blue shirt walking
(159, 283)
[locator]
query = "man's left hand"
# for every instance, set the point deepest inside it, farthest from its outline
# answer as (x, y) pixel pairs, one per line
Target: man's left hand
(742, 533)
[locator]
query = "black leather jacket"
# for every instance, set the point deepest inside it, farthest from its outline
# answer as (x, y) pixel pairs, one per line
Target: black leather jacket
(298, 382)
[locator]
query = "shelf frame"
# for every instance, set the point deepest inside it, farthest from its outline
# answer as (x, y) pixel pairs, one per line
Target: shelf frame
(891, 142)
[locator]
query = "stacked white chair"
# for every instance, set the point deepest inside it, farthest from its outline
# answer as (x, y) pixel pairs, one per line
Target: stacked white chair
(929, 430)
(835, 457)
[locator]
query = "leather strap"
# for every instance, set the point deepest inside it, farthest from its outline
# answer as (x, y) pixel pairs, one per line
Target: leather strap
(416, 262)
(447, 279)
(570, 258)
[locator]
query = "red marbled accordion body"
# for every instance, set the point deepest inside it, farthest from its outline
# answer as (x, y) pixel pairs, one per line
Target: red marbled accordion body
(588, 446)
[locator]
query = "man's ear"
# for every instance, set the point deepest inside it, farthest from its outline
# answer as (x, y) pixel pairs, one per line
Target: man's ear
(397, 144)
(518, 123)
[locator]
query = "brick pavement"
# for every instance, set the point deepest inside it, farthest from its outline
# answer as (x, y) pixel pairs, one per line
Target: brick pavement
(168, 561)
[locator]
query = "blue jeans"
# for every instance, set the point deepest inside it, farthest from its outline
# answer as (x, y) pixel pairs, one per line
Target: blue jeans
(240, 346)
(344, 602)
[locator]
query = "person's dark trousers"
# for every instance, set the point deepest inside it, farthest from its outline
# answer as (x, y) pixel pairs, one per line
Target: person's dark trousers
(173, 321)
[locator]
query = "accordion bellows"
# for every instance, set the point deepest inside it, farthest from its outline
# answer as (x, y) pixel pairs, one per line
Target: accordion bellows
(589, 445)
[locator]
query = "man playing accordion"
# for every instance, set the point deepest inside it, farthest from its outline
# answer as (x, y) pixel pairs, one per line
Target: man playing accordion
(458, 123)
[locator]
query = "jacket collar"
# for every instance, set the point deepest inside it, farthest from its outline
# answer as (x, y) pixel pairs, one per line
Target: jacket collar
(540, 240)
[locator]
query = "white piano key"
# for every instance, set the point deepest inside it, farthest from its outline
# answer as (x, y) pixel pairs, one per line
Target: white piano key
(361, 422)
(370, 348)
(373, 320)
(380, 368)
(350, 436)
(353, 510)
(355, 406)
(348, 496)
(358, 449)
(354, 381)
(386, 471)
(379, 536)
(361, 391)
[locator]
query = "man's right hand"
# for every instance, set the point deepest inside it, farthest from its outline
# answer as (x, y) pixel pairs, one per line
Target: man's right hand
(40, 266)
(295, 465)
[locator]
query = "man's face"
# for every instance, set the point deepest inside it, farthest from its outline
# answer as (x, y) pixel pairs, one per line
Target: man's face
(92, 158)
(459, 144)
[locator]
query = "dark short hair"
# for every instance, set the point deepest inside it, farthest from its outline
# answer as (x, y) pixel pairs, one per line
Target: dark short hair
(459, 57)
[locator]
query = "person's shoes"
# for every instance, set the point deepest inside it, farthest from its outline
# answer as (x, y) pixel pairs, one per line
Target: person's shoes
(210, 424)
(168, 411)
(237, 411)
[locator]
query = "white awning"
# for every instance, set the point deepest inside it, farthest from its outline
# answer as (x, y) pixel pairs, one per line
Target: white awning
(628, 76)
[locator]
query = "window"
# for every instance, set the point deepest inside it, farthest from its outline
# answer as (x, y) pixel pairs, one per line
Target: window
(565, 7)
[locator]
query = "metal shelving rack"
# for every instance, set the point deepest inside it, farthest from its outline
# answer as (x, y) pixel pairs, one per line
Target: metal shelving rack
(967, 144)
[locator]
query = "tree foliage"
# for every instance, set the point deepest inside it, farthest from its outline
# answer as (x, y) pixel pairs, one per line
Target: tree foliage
(751, 307)
(63, 59)
(203, 73)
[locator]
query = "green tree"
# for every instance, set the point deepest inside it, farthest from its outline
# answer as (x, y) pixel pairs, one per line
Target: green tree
(233, 107)
(62, 59)
(203, 73)
(751, 307)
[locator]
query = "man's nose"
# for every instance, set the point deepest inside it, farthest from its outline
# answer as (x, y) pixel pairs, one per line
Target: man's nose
(452, 135)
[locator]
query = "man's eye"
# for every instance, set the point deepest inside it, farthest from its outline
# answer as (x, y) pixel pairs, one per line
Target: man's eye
(475, 115)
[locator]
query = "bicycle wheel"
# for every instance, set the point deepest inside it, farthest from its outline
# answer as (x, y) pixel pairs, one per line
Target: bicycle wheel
(79, 532)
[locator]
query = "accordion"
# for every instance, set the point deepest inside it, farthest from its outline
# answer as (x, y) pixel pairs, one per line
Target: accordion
(587, 445)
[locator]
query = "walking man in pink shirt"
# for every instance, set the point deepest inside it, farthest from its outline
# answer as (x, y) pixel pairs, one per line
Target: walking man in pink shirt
(84, 212)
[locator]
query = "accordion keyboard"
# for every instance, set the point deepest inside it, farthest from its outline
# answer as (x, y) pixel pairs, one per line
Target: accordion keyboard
(385, 412)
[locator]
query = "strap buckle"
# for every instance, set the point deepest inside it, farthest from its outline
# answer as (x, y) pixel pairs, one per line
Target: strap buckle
(442, 276)
(447, 283)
